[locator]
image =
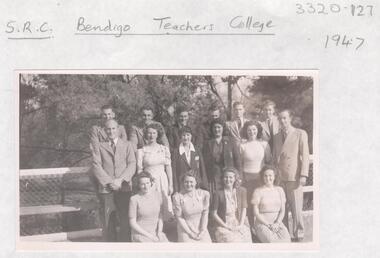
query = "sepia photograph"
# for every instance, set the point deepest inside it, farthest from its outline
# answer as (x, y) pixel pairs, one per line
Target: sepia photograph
(169, 157)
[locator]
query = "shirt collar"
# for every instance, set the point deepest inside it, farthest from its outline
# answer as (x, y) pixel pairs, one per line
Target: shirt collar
(114, 140)
(182, 148)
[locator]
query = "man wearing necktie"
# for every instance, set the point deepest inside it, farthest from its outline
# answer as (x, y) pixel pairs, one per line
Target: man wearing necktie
(291, 156)
(98, 132)
(235, 127)
(270, 123)
(114, 165)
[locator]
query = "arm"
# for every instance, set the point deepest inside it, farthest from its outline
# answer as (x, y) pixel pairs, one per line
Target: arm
(140, 157)
(168, 169)
(181, 221)
(243, 215)
(304, 153)
(218, 220)
(237, 158)
(130, 170)
(102, 176)
(281, 214)
(267, 153)
(132, 221)
(202, 171)
(206, 206)
(256, 198)
(94, 139)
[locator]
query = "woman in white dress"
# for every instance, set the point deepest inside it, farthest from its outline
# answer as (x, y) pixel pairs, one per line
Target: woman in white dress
(191, 207)
(255, 153)
(154, 158)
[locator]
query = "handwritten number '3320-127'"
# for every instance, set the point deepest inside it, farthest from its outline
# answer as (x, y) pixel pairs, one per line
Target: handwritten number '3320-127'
(325, 9)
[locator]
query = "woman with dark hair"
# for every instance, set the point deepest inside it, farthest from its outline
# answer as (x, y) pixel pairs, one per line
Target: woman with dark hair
(218, 153)
(229, 209)
(187, 157)
(191, 210)
(145, 212)
(155, 159)
(269, 208)
(255, 153)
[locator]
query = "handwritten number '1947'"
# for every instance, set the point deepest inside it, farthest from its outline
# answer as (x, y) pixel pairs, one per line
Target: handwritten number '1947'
(344, 41)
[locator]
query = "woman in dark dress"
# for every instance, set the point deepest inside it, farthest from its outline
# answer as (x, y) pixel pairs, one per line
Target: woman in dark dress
(187, 157)
(218, 153)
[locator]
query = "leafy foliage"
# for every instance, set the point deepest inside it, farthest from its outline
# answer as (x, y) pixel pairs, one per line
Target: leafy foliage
(58, 110)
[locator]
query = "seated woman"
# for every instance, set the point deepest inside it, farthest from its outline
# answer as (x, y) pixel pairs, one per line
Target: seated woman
(186, 157)
(191, 210)
(229, 208)
(269, 209)
(145, 212)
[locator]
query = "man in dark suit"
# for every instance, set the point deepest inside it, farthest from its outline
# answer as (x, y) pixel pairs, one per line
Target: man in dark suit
(136, 136)
(269, 123)
(236, 126)
(203, 132)
(173, 132)
(114, 165)
(98, 133)
(291, 156)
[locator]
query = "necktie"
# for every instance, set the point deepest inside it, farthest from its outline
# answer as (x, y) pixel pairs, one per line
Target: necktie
(113, 146)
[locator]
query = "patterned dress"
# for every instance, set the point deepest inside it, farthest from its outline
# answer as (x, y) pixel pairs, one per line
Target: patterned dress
(191, 206)
(224, 235)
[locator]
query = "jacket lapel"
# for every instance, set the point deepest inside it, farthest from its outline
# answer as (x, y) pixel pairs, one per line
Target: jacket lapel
(106, 146)
(102, 132)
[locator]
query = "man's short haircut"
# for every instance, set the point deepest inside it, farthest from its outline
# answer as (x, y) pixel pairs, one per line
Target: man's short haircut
(214, 107)
(181, 109)
(237, 103)
(269, 103)
(289, 111)
(111, 120)
(104, 107)
(147, 107)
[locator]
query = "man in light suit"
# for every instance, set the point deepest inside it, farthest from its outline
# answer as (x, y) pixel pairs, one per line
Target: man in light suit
(114, 164)
(236, 126)
(291, 156)
(98, 133)
(270, 123)
(136, 136)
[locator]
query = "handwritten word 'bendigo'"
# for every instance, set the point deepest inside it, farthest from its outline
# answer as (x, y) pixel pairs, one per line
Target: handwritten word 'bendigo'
(109, 27)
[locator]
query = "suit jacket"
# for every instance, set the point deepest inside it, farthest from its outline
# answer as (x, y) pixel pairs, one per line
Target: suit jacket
(219, 202)
(136, 136)
(231, 157)
(109, 165)
(234, 131)
(291, 155)
(267, 136)
(180, 166)
(98, 134)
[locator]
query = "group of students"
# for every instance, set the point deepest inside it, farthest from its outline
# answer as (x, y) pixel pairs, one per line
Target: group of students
(221, 181)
